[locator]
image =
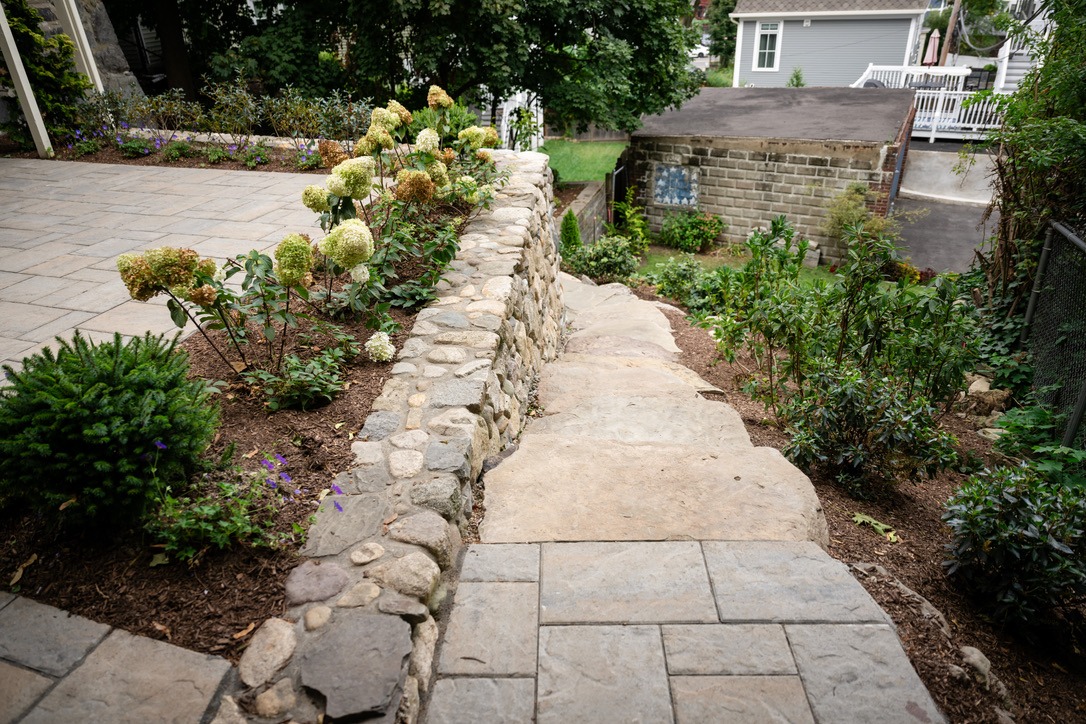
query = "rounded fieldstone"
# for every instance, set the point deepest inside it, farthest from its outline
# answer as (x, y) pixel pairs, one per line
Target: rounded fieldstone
(271, 648)
(413, 575)
(368, 553)
(406, 608)
(360, 594)
(276, 700)
(317, 616)
(440, 494)
(314, 581)
(411, 440)
(447, 355)
(426, 529)
(405, 463)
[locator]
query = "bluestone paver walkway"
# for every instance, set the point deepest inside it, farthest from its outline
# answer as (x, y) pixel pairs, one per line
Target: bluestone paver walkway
(62, 227)
(642, 561)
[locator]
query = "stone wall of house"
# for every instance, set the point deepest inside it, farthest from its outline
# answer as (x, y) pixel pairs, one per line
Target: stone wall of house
(358, 630)
(749, 181)
(591, 209)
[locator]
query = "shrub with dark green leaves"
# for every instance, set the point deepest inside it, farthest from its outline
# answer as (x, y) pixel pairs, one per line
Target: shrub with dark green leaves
(302, 384)
(93, 433)
(676, 277)
(691, 231)
(608, 260)
(865, 430)
(1019, 541)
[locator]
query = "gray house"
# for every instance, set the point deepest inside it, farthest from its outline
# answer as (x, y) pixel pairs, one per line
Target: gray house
(831, 41)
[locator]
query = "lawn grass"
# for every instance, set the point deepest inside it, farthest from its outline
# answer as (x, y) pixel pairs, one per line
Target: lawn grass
(583, 160)
(719, 77)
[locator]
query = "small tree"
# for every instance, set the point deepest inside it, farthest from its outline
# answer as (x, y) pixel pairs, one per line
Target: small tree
(721, 30)
(570, 235)
(796, 79)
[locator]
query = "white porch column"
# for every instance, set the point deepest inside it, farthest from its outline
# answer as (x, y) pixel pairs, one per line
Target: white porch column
(27, 101)
(68, 15)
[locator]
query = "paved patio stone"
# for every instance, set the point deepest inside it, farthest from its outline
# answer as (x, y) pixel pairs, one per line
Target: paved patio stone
(19, 689)
(44, 638)
(169, 684)
(473, 701)
(785, 581)
(501, 562)
(625, 583)
(602, 674)
(133, 318)
(747, 699)
(859, 673)
(492, 630)
(727, 649)
(6, 598)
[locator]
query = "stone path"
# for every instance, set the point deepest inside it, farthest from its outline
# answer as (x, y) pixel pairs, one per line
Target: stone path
(63, 225)
(642, 561)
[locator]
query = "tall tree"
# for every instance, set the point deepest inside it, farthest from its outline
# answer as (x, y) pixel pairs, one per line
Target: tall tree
(722, 30)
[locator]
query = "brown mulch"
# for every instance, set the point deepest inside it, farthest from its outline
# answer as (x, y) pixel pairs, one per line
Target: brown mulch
(209, 606)
(1044, 669)
(564, 195)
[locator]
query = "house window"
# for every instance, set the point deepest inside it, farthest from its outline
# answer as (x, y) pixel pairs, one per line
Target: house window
(767, 46)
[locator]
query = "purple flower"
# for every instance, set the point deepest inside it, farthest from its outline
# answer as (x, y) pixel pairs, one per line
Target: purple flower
(268, 464)
(271, 483)
(336, 489)
(286, 477)
(282, 460)
(298, 491)
(338, 506)
(160, 445)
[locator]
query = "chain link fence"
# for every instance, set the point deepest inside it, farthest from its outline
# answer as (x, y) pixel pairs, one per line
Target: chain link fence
(1056, 324)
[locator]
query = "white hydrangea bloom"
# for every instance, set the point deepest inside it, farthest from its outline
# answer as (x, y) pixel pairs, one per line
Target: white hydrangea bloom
(427, 141)
(360, 273)
(380, 348)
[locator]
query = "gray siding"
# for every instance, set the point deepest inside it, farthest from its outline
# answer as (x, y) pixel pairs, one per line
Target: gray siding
(831, 52)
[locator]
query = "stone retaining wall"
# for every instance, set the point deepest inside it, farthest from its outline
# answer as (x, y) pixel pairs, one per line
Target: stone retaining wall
(358, 639)
(749, 181)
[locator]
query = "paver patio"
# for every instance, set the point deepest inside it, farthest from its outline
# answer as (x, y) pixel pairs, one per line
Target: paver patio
(63, 225)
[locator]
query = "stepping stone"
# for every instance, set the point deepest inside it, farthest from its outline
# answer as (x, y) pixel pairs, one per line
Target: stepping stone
(501, 563)
(492, 630)
(747, 699)
(859, 673)
(45, 638)
(19, 689)
(678, 420)
(557, 489)
(134, 679)
(495, 701)
(624, 583)
(785, 582)
(735, 649)
(601, 674)
(576, 377)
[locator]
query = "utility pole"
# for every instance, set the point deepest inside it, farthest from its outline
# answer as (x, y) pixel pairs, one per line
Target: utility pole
(950, 28)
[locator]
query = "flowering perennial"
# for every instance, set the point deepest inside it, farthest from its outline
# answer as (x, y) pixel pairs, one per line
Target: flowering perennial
(414, 186)
(438, 98)
(357, 176)
(427, 141)
(293, 259)
(349, 244)
(380, 348)
(315, 198)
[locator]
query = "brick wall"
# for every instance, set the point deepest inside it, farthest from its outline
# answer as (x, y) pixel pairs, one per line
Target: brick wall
(749, 181)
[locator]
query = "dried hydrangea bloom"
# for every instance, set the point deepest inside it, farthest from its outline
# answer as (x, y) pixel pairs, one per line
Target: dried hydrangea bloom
(137, 276)
(384, 118)
(204, 295)
(293, 259)
(349, 244)
(331, 153)
(414, 186)
(427, 141)
(404, 114)
(438, 98)
(484, 156)
(357, 175)
(315, 198)
(337, 186)
(490, 137)
(447, 156)
(360, 273)
(379, 347)
(474, 136)
(438, 173)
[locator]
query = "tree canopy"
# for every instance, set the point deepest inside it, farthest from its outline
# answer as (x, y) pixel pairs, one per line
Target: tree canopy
(590, 61)
(722, 30)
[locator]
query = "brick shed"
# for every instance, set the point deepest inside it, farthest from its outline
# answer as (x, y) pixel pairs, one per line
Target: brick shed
(751, 154)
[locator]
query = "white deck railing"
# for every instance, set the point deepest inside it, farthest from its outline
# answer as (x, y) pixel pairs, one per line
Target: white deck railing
(921, 77)
(954, 114)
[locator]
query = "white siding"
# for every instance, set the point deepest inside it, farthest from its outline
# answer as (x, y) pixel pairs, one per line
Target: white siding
(831, 52)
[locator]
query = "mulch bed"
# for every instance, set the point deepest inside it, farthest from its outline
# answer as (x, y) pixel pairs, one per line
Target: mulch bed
(214, 605)
(1044, 669)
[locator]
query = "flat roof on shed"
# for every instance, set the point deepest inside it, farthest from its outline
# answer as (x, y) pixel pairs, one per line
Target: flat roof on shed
(872, 115)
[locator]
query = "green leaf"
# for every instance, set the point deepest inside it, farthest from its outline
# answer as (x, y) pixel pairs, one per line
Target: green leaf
(177, 313)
